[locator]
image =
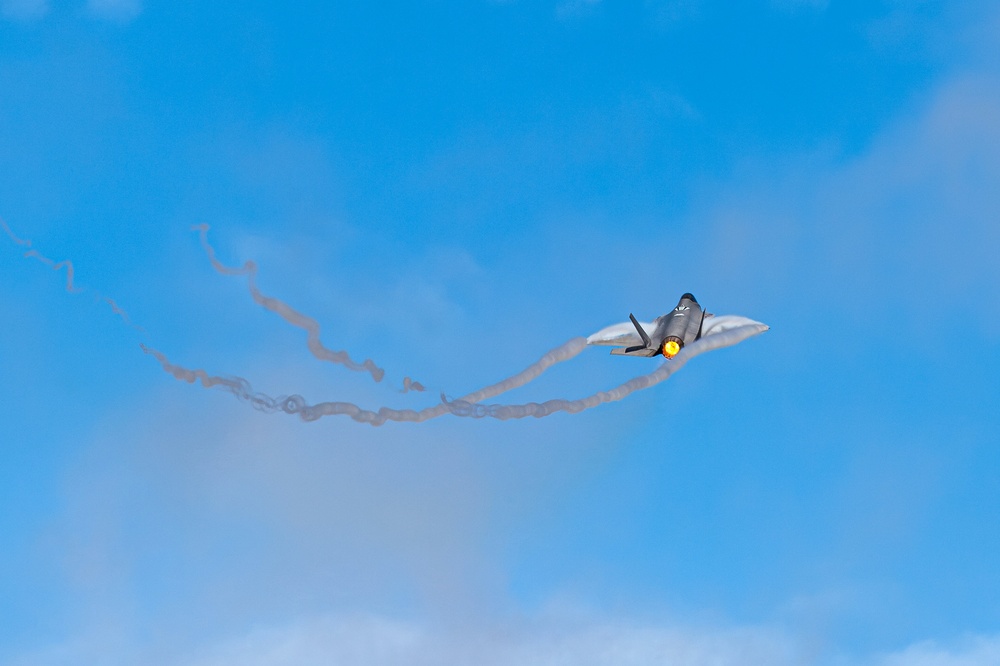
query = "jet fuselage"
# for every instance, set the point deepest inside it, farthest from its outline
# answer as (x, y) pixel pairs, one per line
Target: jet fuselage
(680, 326)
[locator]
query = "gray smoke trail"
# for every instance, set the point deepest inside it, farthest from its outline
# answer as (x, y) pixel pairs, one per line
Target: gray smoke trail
(70, 273)
(563, 352)
(121, 313)
(467, 406)
(470, 408)
(35, 254)
(282, 309)
(17, 241)
(297, 405)
(68, 265)
(411, 385)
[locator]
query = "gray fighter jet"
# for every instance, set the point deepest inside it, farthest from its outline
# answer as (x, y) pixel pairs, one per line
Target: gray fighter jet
(668, 334)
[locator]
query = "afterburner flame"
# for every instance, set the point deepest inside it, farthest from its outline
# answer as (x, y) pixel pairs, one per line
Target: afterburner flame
(670, 348)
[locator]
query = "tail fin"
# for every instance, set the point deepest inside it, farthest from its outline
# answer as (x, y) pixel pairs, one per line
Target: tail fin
(638, 327)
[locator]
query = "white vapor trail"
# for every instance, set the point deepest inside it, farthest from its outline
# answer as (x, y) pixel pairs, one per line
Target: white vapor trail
(471, 408)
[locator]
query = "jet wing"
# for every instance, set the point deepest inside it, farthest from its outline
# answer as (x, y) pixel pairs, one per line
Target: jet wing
(620, 335)
(624, 335)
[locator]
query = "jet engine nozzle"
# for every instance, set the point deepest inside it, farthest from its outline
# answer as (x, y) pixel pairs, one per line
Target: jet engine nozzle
(671, 346)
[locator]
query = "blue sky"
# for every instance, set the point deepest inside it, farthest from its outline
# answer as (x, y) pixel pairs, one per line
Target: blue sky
(452, 189)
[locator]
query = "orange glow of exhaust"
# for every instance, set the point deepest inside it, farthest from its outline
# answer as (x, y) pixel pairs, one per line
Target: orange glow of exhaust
(670, 348)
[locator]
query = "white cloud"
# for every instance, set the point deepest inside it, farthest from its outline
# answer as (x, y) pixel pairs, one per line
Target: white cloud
(561, 636)
(555, 639)
(546, 641)
(972, 651)
(23, 10)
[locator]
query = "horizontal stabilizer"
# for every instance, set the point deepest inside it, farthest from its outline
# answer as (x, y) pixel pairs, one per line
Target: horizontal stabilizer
(644, 352)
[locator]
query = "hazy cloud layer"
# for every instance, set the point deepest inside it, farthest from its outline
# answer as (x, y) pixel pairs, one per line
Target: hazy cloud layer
(547, 641)
(554, 641)
(558, 638)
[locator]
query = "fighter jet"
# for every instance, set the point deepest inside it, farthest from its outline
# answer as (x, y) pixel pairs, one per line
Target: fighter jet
(666, 335)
